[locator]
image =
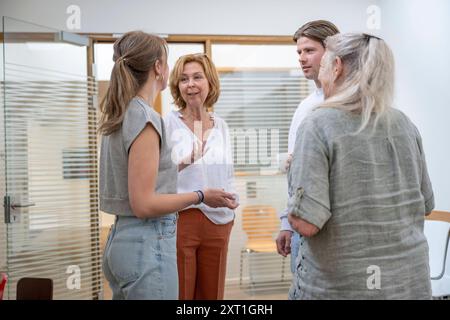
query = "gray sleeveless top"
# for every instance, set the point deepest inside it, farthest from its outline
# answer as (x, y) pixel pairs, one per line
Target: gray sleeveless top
(114, 196)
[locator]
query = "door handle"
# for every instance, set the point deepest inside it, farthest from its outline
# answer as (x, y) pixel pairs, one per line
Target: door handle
(7, 207)
(14, 217)
(22, 205)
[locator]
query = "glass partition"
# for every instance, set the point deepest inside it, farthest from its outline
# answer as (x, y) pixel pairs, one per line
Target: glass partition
(261, 87)
(50, 176)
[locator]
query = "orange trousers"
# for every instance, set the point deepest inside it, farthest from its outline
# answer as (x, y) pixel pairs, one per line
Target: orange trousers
(202, 248)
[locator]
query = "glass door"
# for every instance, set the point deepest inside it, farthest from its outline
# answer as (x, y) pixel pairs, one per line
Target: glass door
(48, 176)
(261, 87)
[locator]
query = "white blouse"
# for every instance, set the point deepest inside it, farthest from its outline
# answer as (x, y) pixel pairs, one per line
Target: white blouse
(212, 170)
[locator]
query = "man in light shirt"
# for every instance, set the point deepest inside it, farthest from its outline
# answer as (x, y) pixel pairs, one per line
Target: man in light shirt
(310, 47)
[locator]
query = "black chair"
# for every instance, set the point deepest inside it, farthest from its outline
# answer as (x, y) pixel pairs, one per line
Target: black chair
(34, 289)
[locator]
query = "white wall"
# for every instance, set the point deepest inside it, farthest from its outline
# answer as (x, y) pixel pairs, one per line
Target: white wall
(241, 17)
(418, 33)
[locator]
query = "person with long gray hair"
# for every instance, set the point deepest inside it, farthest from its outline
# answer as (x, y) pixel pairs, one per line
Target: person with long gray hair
(358, 183)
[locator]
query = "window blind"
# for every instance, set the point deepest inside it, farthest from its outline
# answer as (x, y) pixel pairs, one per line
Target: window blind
(51, 165)
(50, 229)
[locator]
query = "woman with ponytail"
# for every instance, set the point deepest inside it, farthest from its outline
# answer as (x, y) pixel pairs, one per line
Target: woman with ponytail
(138, 180)
(358, 183)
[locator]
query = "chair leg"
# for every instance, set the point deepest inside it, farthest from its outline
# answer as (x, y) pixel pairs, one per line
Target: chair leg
(250, 274)
(240, 270)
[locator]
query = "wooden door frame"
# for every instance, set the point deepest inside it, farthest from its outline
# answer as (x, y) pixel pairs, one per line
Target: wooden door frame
(206, 40)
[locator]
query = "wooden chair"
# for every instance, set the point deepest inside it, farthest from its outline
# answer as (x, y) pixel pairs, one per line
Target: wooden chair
(437, 232)
(439, 216)
(34, 289)
(260, 223)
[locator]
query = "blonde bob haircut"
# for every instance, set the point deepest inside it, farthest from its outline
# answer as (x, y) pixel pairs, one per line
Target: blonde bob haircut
(210, 72)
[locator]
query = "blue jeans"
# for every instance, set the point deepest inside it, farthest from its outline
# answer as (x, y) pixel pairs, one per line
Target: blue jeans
(296, 241)
(140, 258)
(295, 246)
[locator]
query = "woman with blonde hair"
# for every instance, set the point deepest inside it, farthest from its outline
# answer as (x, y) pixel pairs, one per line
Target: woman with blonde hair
(358, 183)
(201, 148)
(138, 177)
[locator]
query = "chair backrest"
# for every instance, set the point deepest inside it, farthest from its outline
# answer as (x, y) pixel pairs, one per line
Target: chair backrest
(34, 289)
(260, 221)
(438, 236)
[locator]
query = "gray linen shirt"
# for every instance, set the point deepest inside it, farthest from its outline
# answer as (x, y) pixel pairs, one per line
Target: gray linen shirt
(368, 194)
(114, 197)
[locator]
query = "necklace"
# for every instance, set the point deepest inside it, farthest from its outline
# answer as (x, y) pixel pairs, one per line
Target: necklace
(191, 119)
(190, 122)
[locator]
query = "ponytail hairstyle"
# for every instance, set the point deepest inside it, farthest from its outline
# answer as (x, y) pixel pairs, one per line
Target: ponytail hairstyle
(135, 55)
(368, 85)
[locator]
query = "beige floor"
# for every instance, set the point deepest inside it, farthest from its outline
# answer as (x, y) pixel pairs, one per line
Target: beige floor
(277, 291)
(230, 294)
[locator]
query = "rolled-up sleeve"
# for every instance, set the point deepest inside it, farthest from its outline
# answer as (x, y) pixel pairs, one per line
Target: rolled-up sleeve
(308, 176)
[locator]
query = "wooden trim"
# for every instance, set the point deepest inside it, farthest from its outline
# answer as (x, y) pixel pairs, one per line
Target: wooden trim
(208, 41)
(102, 38)
(254, 69)
(110, 38)
(158, 104)
(245, 39)
(102, 88)
(439, 216)
(93, 183)
(208, 48)
(27, 36)
(90, 58)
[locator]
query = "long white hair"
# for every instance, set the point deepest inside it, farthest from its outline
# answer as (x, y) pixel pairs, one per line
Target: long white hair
(368, 84)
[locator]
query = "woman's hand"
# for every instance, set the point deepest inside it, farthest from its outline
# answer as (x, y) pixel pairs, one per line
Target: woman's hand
(198, 151)
(283, 242)
(216, 198)
(288, 162)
